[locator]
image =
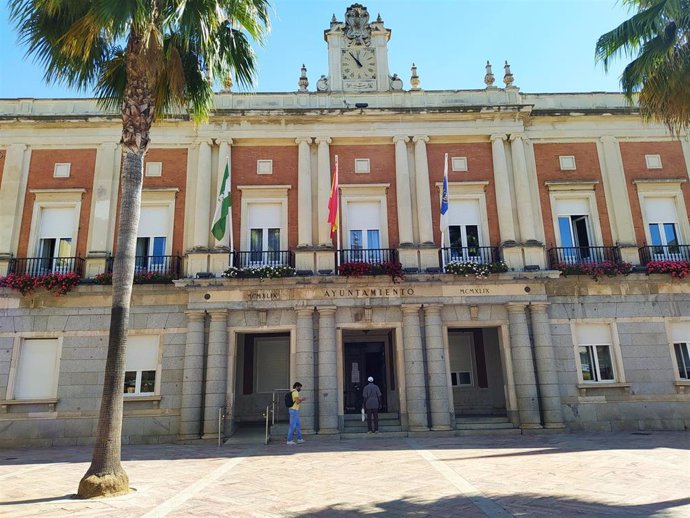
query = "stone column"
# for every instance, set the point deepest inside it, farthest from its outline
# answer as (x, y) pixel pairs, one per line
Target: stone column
(439, 400)
(304, 366)
(404, 198)
(546, 367)
(426, 232)
(12, 200)
(324, 187)
(328, 372)
(202, 207)
(505, 210)
(304, 195)
(415, 388)
(522, 190)
(190, 409)
(617, 201)
(523, 366)
(216, 371)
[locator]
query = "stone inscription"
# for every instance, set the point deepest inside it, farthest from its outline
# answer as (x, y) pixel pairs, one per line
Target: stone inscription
(368, 292)
(263, 295)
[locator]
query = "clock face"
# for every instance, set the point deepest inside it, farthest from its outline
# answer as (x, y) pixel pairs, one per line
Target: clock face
(359, 63)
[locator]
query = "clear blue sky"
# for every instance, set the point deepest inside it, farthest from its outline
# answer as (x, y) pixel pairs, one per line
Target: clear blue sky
(549, 44)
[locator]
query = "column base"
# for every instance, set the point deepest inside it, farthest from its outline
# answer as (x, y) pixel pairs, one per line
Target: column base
(512, 256)
(196, 262)
(208, 436)
(531, 426)
(555, 426)
(630, 254)
(440, 428)
(418, 429)
(329, 431)
(325, 262)
(219, 261)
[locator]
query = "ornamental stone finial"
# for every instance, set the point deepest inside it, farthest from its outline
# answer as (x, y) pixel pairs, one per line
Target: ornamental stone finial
(414, 78)
(322, 84)
(489, 77)
(379, 19)
(227, 83)
(508, 77)
(303, 82)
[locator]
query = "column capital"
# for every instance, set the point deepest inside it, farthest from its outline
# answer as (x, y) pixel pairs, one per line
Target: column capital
(304, 140)
(420, 138)
(498, 136)
(195, 316)
(202, 141)
(323, 140)
(410, 308)
(516, 307)
(107, 145)
(218, 314)
(539, 307)
(608, 139)
(401, 138)
(432, 309)
(304, 312)
(326, 310)
(227, 141)
(517, 136)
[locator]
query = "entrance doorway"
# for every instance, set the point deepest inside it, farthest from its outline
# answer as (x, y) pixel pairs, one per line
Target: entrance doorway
(363, 359)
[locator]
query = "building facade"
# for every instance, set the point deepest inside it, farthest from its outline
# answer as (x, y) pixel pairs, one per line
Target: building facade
(544, 296)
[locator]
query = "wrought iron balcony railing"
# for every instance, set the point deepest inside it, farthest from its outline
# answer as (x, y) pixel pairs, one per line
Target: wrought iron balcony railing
(470, 254)
(36, 266)
(168, 265)
(254, 259)
(367, 255)
(583, 255)
(664, 253)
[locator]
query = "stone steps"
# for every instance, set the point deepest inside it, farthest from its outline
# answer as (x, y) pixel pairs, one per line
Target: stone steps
(484, 425)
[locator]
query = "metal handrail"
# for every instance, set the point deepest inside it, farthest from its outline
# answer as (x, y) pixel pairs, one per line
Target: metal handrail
(256, 259)
(664, 253)
(36, 266)
(469, 254)
(583, 255)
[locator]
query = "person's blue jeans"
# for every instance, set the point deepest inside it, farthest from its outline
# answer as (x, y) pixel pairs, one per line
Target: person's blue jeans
(295, 426)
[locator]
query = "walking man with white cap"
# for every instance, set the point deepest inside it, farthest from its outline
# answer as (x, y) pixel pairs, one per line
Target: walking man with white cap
(371, 403)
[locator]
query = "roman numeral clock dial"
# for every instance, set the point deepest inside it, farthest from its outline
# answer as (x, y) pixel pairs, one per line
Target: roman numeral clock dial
(358, 63)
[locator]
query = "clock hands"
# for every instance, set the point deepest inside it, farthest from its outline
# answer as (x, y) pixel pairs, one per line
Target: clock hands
(359, 63)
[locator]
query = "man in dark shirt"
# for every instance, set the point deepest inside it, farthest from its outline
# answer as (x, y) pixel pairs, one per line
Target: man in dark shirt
(371, 403)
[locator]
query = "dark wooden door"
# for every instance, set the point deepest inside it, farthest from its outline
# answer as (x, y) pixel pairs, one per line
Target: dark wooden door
(363, 359)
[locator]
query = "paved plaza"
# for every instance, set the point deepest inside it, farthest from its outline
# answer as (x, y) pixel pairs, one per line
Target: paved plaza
(614, 474)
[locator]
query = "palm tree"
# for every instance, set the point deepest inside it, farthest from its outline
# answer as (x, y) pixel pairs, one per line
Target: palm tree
(658, 37)
(173, 50)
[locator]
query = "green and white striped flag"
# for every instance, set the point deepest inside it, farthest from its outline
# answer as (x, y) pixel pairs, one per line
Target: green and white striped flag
(222, 206)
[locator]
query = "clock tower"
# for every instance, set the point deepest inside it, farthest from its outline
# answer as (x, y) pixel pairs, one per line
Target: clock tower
(358, 53)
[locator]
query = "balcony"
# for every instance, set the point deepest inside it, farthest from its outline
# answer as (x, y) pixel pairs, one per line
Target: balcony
(367, 255)
(257, 259)
(675, 253)
(36, 266)
(471, 254)
(152, 269)
(582, 255)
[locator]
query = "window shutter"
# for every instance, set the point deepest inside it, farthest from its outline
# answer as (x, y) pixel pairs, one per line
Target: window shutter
(37, 370)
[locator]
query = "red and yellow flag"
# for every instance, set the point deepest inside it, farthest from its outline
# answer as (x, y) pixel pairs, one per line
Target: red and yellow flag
(333, 205)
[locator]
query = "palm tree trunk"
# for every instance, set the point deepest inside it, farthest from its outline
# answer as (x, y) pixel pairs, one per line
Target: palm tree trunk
(105, 476)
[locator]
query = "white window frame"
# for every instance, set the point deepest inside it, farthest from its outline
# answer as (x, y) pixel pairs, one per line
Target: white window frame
(458, 164)
(154, 169)
(578, 191)
(258, 194)
(264, 166)
(14, 367)
(458, 191)
(376, 193)
(165, 198)
(678, 331)
(62, 169)
(664, 189)
(362, 166)
(653, 161)
(614, 350)
(567, 162)
(158, 369)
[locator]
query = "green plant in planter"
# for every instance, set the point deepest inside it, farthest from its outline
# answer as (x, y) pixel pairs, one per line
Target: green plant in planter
(479, 270)
(106, 278)
(595, 270)
(360, 268)
(677, 269)
(260, 272)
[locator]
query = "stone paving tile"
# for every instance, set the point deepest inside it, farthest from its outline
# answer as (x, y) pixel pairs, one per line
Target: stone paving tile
(616, 474)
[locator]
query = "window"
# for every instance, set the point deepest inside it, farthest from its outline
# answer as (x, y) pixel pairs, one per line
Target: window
(574, 231)
(152, 239)
(61, 170)
(37, 369)
(653, 161)
(597, 354)
(154, 169)
(362, 165)
(567, 162)
(264, 167)
(364, 231)
(682, 360)
(459, 379)
(142, 365)
(458, 163)
(264, 245)
(54, 249)
(461, 346)
(464, 236)
(662, 224)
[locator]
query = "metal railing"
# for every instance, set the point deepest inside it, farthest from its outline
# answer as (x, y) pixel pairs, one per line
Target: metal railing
(368, 255)
(583, 255)
(470, 254)
(253, 259)
(664, 253)
(168, 265)
(36, 266)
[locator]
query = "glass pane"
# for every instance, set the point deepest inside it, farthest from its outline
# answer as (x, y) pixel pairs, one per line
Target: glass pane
(605, 364)
(454, 379)
(355, 244)
(586, 363)
(472, 240)
(65, 247)
(581, 231)
(455, 240)
(256, 244)
(567, 242)
(158, 259)
(374, 245)
(683, 360)
(655, 235)
(274, 239)
(465, 378)
(130, 382)
(141, 253)
(671, 237)
(46, 252)
(148, 381)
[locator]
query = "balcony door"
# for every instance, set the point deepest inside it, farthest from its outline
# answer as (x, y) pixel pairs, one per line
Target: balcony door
(152, 239)
(55, 247)
(662, 224)
(264, 234)
(464, 236)
(575, 231)
(364, 232)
